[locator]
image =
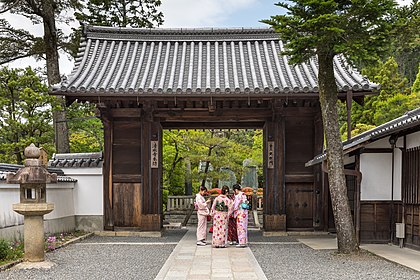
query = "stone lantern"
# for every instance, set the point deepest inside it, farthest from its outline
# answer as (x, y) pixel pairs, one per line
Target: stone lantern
(33, 201)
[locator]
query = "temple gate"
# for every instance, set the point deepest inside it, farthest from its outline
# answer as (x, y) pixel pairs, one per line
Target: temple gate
(146, 80)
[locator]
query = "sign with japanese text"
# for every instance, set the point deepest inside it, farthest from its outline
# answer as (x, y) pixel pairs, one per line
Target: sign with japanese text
(154, 149)
(270, 156)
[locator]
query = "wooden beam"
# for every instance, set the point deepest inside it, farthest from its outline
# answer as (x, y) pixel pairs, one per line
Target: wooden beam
(210, 125)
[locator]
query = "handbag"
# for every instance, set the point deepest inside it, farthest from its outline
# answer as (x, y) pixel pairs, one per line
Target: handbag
(244, 205)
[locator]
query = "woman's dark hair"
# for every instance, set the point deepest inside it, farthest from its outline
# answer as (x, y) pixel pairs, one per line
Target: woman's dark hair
(237, 187)
(203, 188)
(225, 189)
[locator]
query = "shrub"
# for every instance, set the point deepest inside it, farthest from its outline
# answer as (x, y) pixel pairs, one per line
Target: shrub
(4, 249)
(248, 190)
(215, 191)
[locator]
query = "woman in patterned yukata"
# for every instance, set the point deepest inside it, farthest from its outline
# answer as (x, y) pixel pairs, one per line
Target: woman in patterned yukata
(202, 213)
(232, 231)
(241, 215)
(220, 211)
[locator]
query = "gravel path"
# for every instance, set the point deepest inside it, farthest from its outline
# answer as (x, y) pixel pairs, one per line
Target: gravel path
(93, 259)
(142, 258)
(290, 261)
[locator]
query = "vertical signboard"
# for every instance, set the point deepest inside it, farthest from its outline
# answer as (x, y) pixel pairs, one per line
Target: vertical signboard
(270, 156)
(154, 154)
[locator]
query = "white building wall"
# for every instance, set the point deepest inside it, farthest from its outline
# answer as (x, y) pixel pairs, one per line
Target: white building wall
(397, 174)
(88, 191)
(412, 140)
(77, 205)
(9, 194)
(376, 176)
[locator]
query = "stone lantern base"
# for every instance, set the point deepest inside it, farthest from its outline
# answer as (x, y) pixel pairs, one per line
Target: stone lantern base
(34, 228)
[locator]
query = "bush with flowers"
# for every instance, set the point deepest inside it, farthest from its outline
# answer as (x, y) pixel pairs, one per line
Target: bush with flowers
(214, 191)
(11, 252)
(248, 190)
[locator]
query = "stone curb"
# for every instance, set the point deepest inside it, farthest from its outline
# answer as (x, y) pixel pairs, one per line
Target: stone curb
(13, 263)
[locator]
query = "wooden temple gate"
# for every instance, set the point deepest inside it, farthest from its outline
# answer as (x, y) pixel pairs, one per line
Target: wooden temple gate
(147, 80)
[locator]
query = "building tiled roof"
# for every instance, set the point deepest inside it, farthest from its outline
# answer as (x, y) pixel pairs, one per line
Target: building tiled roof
(405, 122)
(76, 160)
(126, 61)
(13, 168)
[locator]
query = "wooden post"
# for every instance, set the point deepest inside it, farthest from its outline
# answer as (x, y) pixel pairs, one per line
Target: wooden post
(348, 106)
(274, 167)
(107, 121)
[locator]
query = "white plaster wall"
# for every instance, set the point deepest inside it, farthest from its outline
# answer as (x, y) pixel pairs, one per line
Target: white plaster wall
(376, 176)
(88, 190)
(61, 194)
(412, 140)
(9, 194)
(397, 173)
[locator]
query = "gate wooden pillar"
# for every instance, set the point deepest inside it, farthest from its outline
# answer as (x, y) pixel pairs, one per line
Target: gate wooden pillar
(106, 117)
(132, 169)
(274, 169)
(151, 157)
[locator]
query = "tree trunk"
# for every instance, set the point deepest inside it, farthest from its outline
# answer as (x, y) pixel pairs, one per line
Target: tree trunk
(347, 242)
(53, 73)
(188, 177)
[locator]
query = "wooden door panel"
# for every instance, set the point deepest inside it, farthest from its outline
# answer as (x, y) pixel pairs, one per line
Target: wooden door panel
(299, 205)
(127, 204)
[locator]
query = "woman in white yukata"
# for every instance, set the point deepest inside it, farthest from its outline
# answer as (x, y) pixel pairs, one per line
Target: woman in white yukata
(240, 208)
(202, 213)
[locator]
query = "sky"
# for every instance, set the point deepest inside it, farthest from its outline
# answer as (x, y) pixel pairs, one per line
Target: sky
(179, 14)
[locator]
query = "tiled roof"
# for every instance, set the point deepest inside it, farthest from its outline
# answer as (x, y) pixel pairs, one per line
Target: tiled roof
(147, 62)
(76, 160)
(7, 168)
(406, 121)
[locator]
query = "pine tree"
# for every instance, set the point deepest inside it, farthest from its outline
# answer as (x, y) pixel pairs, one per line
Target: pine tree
(325, 28)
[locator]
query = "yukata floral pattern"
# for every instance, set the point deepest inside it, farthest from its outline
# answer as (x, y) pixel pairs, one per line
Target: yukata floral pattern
(241, 216)
(220, 220)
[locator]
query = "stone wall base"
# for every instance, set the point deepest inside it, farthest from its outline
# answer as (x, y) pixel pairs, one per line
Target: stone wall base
(88, 223)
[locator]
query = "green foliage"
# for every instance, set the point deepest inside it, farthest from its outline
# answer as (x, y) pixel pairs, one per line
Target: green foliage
(356, 29)
(220, 148)
(130, 13)
(416, 86)
(406, 39)
(394, 99)
(18, 43)
(85, 129)
(360, 128)
(25, 114)
(4, 249)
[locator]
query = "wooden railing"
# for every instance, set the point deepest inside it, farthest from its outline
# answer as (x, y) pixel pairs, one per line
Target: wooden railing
(183, 202)
(180, 202)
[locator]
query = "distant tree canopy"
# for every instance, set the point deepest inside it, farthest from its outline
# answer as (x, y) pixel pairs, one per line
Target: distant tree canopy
(25, 114)
(121, 13)
(221, 148)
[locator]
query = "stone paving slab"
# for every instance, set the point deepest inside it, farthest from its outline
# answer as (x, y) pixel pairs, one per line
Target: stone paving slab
(404, 256)
(205, 262)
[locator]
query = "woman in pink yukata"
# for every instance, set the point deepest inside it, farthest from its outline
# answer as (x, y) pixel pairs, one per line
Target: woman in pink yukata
(220, 211)
(241, 215)
(202, 213)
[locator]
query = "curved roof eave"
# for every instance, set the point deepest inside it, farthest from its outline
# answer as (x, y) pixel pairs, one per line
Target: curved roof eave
(209, 61)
